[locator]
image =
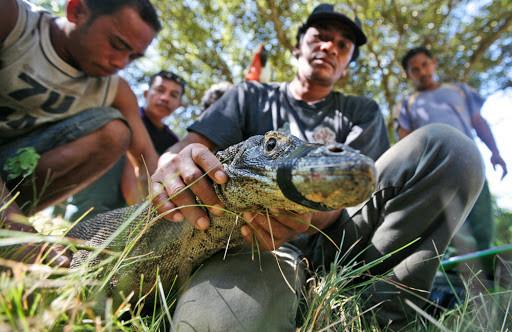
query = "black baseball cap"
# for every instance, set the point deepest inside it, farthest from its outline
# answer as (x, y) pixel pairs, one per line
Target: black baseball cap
(326, 11)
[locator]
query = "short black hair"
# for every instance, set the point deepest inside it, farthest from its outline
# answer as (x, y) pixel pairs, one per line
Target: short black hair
(412, 52)
(302, 31)
(169, 75)
(214, 93)
(145, 9)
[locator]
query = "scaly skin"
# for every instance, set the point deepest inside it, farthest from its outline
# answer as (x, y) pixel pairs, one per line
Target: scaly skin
(333, 176)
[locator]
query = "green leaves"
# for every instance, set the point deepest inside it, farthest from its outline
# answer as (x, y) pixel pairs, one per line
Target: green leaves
(211, 41)
(22, 164)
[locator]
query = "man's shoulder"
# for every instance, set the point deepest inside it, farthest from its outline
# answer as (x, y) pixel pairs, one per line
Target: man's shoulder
(255, 86)
(31, 6)
(356, 101)
(459, 90)
(32, 11)
(23, 16)
(460, 87)
(464, 87)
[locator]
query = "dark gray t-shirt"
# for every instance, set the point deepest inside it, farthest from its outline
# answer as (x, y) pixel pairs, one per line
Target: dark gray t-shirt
(253, 108)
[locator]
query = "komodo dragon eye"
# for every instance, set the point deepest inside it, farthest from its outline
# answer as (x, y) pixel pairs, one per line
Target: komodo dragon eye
(271, 144)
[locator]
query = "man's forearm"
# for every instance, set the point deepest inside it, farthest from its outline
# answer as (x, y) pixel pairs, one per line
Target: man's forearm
(133, 191)
(190, 138)
(485, 134)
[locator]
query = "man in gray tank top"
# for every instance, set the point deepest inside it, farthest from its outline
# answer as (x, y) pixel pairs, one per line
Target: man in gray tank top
(59, 94)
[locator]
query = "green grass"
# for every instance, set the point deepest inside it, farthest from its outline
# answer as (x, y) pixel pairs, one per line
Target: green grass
(37, 297)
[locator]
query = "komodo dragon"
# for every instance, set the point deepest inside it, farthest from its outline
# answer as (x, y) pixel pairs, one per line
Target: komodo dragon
(270, 171)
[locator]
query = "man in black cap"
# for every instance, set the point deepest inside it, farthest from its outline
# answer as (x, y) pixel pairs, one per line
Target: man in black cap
(420, 195)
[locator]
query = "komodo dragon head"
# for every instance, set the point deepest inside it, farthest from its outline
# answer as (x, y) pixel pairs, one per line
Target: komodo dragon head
(282, 171)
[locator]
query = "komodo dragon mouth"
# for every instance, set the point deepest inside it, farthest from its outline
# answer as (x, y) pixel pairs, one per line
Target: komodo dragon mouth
(274, 170)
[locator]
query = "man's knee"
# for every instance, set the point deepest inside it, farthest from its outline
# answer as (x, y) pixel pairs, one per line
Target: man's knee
(438, 150)
(459, 152)
(114, 137)
(240, 294)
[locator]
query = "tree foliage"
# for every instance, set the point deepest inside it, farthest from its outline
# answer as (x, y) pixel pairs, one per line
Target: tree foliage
(210, 41)
(54, 6)
(503, 226)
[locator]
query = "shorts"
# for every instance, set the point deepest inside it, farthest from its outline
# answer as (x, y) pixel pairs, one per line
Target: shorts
(55, 134)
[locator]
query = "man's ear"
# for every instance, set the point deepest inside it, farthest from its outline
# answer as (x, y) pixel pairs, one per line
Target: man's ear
(344, 72)
(146, 94)
(77, 12)
(296, 52)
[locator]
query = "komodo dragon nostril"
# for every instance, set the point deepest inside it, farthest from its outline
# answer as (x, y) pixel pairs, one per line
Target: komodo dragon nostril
(335, 148)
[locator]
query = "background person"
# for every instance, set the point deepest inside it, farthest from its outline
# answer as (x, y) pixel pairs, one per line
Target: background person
(457, 105)
(125, 184)
(214, 93)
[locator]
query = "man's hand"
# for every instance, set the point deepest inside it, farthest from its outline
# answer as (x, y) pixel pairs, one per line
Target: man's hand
(13, 219)
(497, 160)
(180, 177)
(275, 228)
(52, 254)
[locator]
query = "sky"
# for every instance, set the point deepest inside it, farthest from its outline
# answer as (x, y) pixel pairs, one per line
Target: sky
(497, 110)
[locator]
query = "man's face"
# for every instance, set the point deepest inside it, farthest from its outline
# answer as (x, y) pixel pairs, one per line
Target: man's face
(324, 54)
(421, 71)
(162, 98)
(108, 43)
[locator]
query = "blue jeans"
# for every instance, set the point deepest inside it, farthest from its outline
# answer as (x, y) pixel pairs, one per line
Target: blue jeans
(52, 135)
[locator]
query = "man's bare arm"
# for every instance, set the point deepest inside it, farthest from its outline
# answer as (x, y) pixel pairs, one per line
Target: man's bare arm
(141, 147)
(190, 138)
(484, 132)
(9, 10)
(403, 132)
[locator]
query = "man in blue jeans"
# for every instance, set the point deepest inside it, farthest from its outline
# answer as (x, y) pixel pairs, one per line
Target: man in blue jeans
(60, 95)
(419, 195)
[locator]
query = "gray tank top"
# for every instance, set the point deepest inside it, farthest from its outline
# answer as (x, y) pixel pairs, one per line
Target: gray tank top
(36, 85)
